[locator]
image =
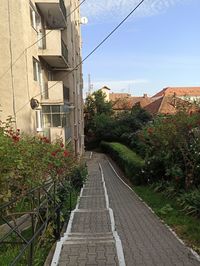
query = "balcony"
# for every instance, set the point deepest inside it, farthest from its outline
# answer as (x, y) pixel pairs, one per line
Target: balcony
(55, 52)
(57, 93)
(54, 12)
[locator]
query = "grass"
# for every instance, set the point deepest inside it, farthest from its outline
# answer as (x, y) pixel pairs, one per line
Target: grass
(186, 227)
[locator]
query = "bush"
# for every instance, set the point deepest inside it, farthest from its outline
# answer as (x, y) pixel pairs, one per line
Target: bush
(128, 160)
(190, 202)
(171, 147)
(27, 161)
(79, 175)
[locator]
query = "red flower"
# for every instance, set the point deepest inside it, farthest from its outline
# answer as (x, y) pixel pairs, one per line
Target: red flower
(45, 140)
(53, 153)
(15, 138)
(65, 153)
(61, 145)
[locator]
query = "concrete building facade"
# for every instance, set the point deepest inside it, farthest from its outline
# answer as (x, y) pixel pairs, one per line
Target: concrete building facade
(40, 46)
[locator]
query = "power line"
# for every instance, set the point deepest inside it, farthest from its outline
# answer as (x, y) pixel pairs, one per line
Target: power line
(30, 46)
(94, 50)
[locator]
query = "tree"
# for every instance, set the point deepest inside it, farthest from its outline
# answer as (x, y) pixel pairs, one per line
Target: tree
(98, 117)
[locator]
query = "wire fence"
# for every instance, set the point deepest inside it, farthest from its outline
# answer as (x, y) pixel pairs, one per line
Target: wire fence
(26, 219)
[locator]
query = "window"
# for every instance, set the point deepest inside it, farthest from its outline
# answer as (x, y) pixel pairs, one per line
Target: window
(35, 19)
(55, 116)
(37, 76)
(36, 70)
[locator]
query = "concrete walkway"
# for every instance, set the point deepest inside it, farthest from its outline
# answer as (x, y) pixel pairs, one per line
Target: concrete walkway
(95, 236)
(91, 238)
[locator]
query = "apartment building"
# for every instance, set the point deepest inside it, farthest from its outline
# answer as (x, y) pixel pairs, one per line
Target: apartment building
(40, 76)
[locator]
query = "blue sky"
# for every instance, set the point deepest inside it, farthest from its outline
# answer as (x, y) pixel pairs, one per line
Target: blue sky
(158, 46)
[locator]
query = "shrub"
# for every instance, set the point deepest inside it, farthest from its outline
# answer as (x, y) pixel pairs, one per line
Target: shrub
(128, 160)
(190, 202)
(27, 161)
(171, 147)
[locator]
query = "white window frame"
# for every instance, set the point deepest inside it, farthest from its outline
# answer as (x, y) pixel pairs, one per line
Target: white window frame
(37, 74)
(35, 19)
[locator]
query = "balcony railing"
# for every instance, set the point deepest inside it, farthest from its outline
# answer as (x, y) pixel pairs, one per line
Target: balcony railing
(63, 8)
(64, 51)
(54, 13)
(55, 52)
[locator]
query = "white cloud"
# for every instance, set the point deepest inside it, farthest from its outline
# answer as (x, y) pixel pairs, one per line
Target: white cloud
(110, 10)
(119, 85)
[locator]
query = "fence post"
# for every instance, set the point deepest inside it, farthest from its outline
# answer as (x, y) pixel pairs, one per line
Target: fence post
(32, 244)
(58, 222)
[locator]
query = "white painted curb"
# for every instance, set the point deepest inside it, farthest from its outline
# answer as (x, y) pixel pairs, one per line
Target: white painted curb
(59, 244)
(169, 228)
(118, 243)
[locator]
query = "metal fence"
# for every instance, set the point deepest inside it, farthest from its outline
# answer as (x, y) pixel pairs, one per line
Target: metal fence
(33, 211)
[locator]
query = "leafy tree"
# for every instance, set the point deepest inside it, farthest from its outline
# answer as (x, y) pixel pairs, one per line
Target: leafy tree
(102, 124)
(98, 113)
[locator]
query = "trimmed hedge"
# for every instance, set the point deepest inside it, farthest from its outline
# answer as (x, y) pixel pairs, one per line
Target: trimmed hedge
(128, 160)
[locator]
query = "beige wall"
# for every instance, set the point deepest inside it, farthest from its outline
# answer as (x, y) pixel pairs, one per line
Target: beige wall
(17, 86)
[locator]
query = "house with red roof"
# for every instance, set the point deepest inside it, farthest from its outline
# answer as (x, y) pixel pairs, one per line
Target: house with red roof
(167, 101)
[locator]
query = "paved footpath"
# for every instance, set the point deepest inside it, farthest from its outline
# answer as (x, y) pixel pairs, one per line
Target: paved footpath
(91, 238)
(135, 234)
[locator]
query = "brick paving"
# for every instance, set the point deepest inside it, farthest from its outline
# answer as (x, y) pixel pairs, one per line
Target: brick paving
(145, 239)
(91, 240)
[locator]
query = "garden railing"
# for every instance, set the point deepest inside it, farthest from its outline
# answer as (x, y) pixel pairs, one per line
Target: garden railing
(25, 218)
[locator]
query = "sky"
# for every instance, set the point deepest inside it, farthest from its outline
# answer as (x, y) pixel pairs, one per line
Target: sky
(158, 46)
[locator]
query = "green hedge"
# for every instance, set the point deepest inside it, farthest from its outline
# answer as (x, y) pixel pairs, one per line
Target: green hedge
(127, 160)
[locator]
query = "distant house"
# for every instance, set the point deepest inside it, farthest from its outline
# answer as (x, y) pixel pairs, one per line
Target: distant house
(189, 93)
(169, 105)
(106, 91)
(167, 101)
(125, 102)
(171, 99)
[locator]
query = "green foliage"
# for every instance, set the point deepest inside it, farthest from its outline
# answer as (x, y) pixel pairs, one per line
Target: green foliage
(165, 210)
(171, 147)
(79, 175)
(27, 161)
(190, 202)
(187, 227)
(128, 160)
(98, 114)
(102, 124)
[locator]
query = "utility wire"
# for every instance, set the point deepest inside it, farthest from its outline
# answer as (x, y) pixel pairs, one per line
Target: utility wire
(30, 46)
(93, 51)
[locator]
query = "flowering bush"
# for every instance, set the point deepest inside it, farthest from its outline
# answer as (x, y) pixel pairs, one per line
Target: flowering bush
(27, 161)
(171, 146)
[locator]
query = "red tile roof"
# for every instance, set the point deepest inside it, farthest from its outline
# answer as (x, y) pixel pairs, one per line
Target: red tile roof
(127, 103)
(116, 96)
(169, 105)
(179, 91)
